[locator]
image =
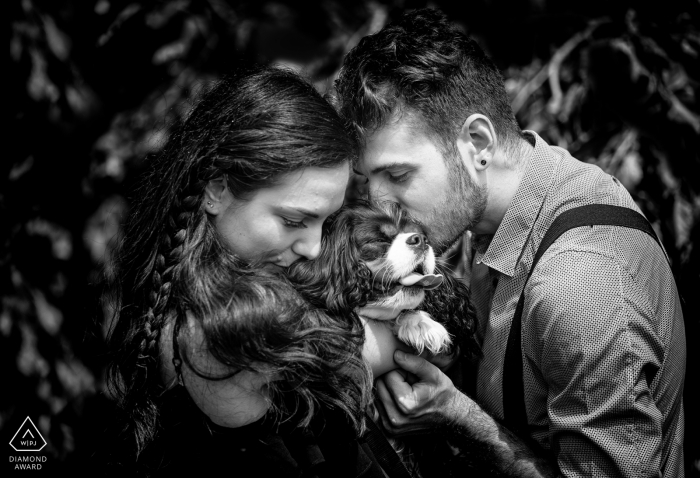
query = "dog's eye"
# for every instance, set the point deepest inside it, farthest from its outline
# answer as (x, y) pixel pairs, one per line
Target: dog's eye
(374, 250)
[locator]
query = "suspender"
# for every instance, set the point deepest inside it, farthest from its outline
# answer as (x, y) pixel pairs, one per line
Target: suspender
(594, 214)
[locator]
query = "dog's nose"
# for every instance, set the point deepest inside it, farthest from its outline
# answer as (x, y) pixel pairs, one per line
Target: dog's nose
(419, 241)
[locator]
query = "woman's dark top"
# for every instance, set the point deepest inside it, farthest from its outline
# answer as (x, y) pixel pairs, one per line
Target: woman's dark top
(189, 442)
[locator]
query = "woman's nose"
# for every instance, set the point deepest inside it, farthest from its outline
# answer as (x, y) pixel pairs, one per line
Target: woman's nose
(309, 246)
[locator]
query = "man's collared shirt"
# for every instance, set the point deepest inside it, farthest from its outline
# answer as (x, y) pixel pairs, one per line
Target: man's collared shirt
(603, 339)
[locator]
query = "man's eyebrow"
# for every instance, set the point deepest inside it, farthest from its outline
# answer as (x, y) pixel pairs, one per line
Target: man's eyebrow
(393, 165)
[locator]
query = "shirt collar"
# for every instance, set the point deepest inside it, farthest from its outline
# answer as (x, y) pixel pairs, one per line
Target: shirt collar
(502, 250)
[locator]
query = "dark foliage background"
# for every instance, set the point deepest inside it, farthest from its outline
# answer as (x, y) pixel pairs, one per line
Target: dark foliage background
(93, 85)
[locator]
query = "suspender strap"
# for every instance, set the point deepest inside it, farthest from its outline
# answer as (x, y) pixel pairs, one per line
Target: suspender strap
(383, 451)
(594, 214)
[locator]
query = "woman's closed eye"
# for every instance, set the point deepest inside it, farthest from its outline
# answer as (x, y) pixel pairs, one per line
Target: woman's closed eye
(294, 224)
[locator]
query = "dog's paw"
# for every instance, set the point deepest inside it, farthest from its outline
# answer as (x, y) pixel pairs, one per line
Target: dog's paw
(418, 329)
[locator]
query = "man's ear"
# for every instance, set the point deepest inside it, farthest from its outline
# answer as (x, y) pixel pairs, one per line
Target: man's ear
(477, 141)
(216, 196)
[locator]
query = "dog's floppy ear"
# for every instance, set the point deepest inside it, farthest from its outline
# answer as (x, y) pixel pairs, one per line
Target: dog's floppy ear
(450, 305)
(337, 279)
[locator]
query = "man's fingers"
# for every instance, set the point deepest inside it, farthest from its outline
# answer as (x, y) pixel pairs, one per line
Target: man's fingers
(395, 388)
(382, 391)
(424, 370)
(386, 406)
(404, 396)
(444, 361)
(382, 411)
(396, 383)
(401, 372)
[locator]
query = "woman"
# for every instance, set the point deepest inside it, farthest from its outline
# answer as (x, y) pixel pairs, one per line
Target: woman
(203, 342)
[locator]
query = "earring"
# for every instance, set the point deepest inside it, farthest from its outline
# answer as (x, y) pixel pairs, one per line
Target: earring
(210, 204)
(483, 162)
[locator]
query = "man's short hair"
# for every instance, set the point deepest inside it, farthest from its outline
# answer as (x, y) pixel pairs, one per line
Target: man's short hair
(426, 68)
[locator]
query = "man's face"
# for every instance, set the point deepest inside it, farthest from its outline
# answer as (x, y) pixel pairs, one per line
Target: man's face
(405, 166)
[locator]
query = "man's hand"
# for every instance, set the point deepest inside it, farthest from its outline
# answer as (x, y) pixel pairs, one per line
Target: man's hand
(418, 398)
(443, 361)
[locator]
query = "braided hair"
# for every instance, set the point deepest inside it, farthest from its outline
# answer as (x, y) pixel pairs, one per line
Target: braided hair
(251, 128)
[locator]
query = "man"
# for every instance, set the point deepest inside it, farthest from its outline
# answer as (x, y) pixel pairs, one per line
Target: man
(603, 343)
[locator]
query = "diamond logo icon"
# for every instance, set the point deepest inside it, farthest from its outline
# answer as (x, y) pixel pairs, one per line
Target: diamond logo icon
(28, 437)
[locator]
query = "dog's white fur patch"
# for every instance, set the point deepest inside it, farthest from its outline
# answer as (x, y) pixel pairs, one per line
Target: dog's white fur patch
(403, 259)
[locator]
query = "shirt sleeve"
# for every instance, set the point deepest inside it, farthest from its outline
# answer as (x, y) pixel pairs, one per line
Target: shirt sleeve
(598, 352)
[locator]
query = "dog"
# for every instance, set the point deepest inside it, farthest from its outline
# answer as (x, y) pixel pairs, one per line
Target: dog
(378, 263)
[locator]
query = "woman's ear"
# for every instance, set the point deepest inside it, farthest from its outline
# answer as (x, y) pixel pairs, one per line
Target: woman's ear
(477, 142)
(217, 197)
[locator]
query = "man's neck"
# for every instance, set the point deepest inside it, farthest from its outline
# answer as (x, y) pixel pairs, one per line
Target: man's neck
(503, 179)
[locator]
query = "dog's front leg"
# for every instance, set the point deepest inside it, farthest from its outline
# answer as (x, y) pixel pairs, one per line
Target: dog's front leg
(419, 330)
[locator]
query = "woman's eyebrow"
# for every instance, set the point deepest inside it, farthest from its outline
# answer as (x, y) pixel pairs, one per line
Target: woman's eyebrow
(303, 211)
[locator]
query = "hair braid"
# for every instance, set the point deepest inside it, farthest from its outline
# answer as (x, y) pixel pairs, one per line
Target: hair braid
(181, 228)
(168, 260)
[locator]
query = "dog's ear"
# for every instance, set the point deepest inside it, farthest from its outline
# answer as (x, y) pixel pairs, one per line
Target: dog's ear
(450, 304)
(337, 279)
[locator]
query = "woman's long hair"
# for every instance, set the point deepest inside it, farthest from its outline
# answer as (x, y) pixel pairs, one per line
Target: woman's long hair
(258, 322)
(251, 128)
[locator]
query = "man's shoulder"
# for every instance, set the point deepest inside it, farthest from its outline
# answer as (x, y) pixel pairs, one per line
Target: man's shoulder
(571, 183)
(624, 247)
(586, 183)
(587, 255)
(601, 275)
(578, 184)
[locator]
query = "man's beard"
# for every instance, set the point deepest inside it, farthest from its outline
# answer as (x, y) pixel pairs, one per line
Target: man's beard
(460, 210)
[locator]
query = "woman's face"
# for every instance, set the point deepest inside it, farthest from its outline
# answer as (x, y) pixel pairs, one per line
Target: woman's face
(282, 223)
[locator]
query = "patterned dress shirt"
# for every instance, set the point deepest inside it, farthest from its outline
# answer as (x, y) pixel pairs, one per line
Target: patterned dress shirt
(603, 339)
